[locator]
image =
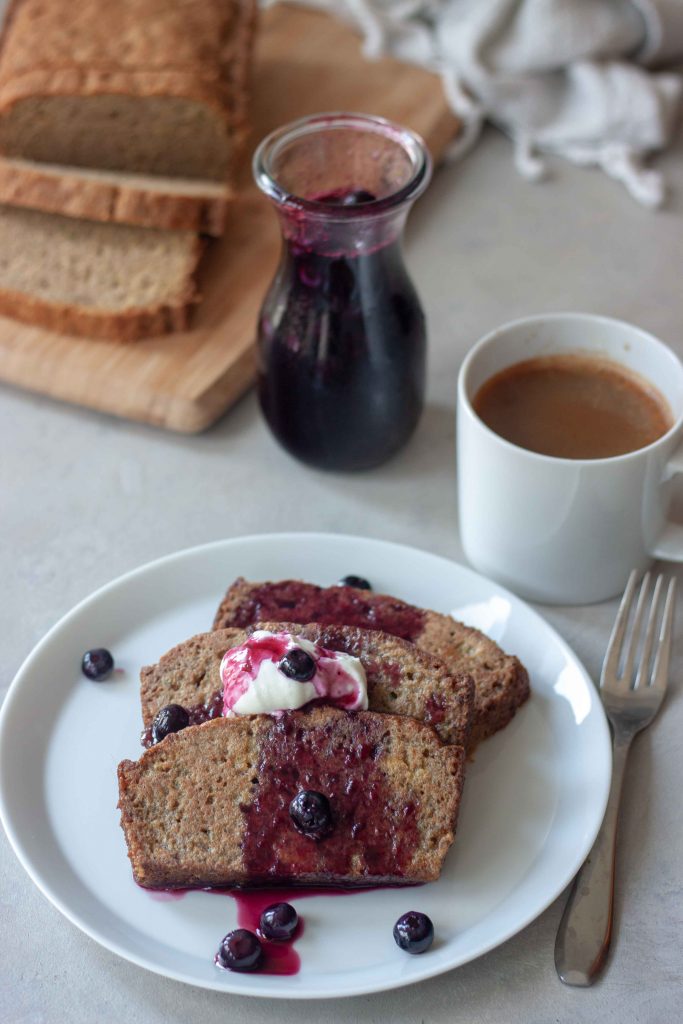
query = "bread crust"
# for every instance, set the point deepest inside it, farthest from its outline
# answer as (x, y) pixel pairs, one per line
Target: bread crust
(500, 680)
(115, 198)
(195, 51)
(124, 326)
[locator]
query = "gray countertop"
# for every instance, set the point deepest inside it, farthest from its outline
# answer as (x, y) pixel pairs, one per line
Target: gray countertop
(84, 498)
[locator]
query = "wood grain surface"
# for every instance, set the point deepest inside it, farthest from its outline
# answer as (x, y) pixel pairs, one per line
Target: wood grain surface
(305, 62)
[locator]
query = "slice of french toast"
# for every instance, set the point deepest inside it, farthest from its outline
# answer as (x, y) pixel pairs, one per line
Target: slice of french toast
(211, 805)
(401, 678)
(501, 682)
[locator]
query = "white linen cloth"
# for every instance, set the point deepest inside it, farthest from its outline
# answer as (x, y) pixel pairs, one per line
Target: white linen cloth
(571, 77)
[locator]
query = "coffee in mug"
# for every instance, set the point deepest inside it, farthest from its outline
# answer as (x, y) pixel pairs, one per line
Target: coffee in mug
(573, 406)
(543, 507)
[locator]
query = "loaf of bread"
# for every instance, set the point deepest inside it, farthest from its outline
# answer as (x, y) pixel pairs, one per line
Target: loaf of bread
(401, 678)
(99, 280)
(155, 87)
(210, 806)
(501, 682)
(149, 201)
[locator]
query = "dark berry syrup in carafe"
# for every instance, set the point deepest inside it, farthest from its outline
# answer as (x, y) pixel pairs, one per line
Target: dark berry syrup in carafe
(342, 340)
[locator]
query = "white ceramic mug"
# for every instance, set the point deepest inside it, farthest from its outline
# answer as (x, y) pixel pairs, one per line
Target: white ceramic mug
(566, 530)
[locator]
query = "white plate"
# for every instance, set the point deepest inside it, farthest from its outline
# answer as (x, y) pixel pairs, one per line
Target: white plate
(534, 797)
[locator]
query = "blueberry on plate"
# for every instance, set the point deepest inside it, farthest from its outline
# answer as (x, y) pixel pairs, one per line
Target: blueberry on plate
(414, 932)
(239, 951)
(171, 718)
(97, 664)
(278, 922)
(297, 664)
(359, 582)
(311, 814)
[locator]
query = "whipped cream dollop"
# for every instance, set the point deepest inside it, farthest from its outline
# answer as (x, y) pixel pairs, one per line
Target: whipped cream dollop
(254, 682)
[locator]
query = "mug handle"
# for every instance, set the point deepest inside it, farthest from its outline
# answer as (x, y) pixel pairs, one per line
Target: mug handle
(669, 544)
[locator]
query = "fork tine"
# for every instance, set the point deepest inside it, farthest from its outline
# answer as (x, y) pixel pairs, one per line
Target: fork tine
(644, 664)
(660, 673)
(627, 674)
(611, 662)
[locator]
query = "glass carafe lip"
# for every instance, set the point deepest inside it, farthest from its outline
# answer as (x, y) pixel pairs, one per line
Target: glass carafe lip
(410, 141)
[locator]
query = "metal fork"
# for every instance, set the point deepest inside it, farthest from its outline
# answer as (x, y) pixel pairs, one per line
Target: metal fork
(585, 931)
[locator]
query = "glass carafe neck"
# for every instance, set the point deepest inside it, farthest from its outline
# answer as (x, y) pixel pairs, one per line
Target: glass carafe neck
(342, 183)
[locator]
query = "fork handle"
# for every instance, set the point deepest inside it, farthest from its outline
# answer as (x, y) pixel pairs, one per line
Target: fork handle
(585, 931)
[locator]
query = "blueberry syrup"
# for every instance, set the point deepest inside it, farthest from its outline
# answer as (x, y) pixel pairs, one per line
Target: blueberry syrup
(342, 345)
(372, 837)
(294, 601)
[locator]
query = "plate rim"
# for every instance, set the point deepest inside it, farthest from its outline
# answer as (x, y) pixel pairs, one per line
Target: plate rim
(45, 888)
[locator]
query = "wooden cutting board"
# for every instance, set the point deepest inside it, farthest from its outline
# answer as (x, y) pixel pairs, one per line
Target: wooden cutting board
(305, 62)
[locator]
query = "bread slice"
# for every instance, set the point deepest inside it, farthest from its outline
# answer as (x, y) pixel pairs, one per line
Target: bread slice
(401, 679)
(154, 87)
(116, 197)
(99, 280)
(209, 806)
(501, 682)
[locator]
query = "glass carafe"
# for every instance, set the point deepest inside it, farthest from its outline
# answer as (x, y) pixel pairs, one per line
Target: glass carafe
(341, 337)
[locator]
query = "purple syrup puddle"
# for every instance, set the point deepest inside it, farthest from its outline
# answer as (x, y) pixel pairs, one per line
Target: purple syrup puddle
(279, 957)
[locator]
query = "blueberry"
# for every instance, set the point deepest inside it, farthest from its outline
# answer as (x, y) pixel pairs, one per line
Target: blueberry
(358, 196)
(239, 951)
(311, 814)
(414, 932)
(97, 664)
(278, 922)
(171, 718)
(298, 664)
(359, 582)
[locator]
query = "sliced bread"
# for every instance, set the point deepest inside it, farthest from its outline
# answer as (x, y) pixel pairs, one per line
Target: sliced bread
(500, 680)
(145, 86)
(99, 280)
(116, 197)
(209, 806)
(401, 678)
